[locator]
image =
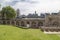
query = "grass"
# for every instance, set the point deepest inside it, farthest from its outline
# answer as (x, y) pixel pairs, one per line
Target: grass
(8, 32)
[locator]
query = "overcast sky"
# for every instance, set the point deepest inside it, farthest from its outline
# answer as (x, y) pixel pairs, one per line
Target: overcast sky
(29, 6)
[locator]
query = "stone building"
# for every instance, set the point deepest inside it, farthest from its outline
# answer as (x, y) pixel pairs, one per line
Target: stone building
(50, 22)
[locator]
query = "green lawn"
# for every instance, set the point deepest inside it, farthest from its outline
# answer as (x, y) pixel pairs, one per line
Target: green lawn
(8, 32)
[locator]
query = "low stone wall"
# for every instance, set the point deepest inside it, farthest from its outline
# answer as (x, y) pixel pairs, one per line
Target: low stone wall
(23, 23)
(51, 32)
(50, 29)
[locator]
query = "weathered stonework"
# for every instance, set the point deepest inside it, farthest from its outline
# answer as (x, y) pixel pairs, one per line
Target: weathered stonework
(49, 23)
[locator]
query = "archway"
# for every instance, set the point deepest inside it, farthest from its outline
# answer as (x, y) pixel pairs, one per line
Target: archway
(55, 23)
(28, 24)
(17, 23)
(40, 23)
(13, 23)
(33, 25)
(1, 22)
(8, 22)
(4, 22)
(22, 23)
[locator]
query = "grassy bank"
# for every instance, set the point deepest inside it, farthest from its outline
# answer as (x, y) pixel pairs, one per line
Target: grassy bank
(8, 32)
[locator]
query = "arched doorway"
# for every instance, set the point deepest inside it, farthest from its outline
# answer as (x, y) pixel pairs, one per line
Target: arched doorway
(1, 22)
(22, 23)
(33, 25)
(28, 24)
(8, 22)
(13, 23)
(4, 22)
(17, 23)
(40, 23)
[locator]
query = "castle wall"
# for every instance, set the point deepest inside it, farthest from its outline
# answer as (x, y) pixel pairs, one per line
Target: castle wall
(52, 23)
(32, 23)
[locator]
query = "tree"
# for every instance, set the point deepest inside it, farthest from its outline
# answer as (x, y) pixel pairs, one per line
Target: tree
(8, 12)
(0, 5)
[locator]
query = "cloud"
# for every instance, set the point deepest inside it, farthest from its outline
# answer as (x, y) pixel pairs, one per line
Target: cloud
(13, 2)
(0, 1)
(43, 6)
(28, 6)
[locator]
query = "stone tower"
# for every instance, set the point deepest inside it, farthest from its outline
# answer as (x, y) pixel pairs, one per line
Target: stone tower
(35, 12)
(18, 13)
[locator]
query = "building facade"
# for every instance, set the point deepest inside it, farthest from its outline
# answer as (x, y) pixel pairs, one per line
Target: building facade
(50, 22)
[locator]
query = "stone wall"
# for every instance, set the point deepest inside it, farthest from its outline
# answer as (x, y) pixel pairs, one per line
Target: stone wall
(23, 23)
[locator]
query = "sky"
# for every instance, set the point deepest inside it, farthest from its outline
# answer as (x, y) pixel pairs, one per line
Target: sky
(30, 6)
